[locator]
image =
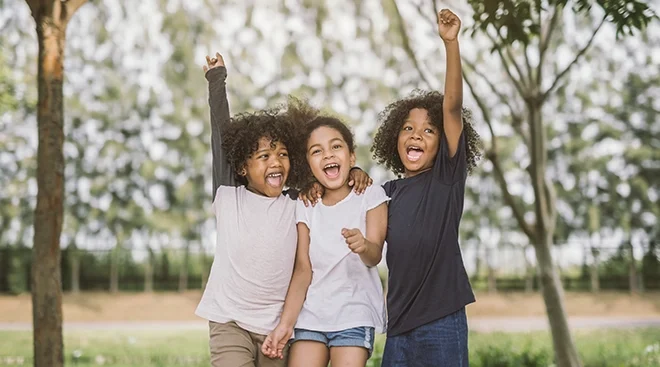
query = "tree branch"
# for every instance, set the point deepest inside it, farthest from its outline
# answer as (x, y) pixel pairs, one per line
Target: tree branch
(515, 115)
(422, 13)
(484, 110)
(492, 156)
(545, 41)
(406, 45)
(509, 53)
(505, 63)
(584, 49)
(528, 65)
(508, 198)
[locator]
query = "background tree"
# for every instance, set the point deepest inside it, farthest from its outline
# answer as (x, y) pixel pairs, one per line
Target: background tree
(51, 18)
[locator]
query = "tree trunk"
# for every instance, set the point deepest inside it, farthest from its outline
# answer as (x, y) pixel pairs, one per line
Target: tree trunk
(553, 296)
(114, 269)
(51, 18)
(529, 273)
(149, 273)
(75, 271)
(595, 278)
(183, 274)
(632, 270)
(545, 211)
(492, 279)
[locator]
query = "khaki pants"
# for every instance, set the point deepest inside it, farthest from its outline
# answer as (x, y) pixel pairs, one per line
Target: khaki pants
(232, 346)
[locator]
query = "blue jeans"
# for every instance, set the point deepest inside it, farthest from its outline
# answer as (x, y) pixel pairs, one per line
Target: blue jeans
(440, 343)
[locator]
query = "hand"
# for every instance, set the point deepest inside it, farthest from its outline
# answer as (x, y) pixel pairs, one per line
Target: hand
(311, 194)
(448, 25)
(273, 346)
(359, 180)
(355, 240)
(215, 62)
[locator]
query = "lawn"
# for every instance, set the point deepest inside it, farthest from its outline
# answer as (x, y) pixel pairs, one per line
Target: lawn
(639, 347)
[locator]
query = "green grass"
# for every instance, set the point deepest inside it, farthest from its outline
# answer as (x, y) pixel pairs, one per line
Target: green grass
(630, 348)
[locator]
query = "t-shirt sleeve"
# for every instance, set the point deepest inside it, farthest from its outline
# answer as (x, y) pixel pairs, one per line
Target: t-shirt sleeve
(449, 170)
(374, 196)
(302, 213)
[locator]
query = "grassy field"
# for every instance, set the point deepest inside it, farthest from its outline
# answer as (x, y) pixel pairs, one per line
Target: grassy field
(634, 348)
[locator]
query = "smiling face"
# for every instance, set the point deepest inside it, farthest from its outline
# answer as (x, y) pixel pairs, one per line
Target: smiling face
(418, 142)
(329, 157)
(267, 169)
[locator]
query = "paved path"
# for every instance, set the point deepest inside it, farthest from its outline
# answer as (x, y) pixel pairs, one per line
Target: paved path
(482, 324)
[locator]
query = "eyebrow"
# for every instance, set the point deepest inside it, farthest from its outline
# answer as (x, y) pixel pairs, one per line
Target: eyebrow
(331, 141)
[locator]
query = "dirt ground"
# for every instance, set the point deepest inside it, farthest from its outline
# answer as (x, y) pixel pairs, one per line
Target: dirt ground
(105, 307)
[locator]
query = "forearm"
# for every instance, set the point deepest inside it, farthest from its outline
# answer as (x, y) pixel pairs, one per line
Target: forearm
(295, 297)
(219, 106)
(453, 100)
(373, 255)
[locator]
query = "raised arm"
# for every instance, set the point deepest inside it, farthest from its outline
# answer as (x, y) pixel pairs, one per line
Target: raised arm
(448, 26)
(216, 73)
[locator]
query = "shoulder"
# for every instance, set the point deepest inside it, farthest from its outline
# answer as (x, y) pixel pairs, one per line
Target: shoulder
(373, 196)
(390, 186)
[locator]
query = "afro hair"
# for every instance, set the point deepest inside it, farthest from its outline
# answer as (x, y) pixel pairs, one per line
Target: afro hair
(241, 139)
(391, 119)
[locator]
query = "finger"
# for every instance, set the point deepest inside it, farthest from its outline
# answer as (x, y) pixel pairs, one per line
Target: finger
(205, 68)
(346, 232)
(304, 200)
(221, 60)
(351, 182)
(208, 60)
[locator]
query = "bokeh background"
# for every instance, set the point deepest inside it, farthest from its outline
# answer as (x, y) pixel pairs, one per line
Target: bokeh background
(138, 235)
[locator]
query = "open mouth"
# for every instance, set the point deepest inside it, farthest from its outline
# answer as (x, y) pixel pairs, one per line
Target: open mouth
(331, 170)
(414, 153)
(275, 179)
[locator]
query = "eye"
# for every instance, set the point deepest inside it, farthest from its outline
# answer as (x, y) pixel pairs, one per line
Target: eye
(407, 128)
(429, 131)
(284, 154)
(336, 146)
(316, 151)
(263, 156)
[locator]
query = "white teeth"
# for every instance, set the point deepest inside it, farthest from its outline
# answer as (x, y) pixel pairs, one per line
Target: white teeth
(331, 165)
(275, 175)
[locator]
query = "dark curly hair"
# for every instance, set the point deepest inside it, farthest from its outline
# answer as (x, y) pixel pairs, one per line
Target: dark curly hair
(241, 137)
(306, 119)
(392, 118)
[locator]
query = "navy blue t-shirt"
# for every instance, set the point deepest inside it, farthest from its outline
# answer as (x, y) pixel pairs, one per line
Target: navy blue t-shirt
(427, 278)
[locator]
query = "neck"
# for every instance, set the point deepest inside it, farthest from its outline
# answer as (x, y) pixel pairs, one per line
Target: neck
(333, 196)
(408, 174)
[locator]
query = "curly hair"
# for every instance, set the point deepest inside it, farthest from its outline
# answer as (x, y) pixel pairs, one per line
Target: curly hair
(391, 119)
(241, 137)
(306, 118)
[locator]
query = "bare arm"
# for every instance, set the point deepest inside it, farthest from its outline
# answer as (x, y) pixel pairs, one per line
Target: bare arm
(216, 73)
(448, 27)
(369, 247)
(376, 232)
(300, 280)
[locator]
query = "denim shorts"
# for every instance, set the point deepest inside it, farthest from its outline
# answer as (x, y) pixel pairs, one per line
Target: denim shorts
(362, 336)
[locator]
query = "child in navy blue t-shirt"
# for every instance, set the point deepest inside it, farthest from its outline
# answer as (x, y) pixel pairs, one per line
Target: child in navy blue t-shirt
(429, 139)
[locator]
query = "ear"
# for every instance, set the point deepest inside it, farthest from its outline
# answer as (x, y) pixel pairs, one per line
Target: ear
(242, 172)
(353, 159)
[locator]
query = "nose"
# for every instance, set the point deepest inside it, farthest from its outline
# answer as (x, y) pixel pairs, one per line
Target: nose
(328, 155)
(276, 162)
(416, 135)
